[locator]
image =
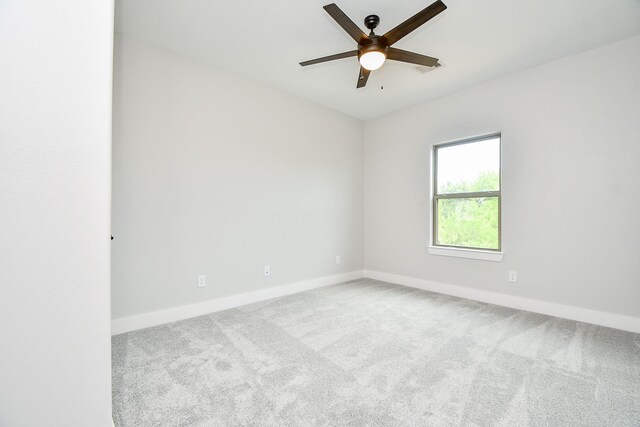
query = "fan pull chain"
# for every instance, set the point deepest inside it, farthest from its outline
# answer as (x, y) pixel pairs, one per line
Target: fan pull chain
(382, 79)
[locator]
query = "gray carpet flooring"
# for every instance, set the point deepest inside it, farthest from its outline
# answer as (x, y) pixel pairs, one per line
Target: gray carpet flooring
(367, 353)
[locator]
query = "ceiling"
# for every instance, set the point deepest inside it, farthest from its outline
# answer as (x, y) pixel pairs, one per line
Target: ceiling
(475, 41)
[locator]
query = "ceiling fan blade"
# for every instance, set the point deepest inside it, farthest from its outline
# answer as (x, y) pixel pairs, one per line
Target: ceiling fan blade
(345, 22)
(411, 57)
(363, 76)
(330, 58)
(414, 22)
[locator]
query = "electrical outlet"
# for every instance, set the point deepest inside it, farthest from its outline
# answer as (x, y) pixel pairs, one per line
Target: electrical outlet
(202, 280)
(513, 276)
(267, 270)
(338, 260)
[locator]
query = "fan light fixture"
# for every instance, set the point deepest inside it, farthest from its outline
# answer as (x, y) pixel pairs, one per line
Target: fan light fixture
(373, 50)
(372, 60)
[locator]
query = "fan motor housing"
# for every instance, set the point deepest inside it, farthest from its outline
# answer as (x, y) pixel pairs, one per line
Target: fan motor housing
(375, 44)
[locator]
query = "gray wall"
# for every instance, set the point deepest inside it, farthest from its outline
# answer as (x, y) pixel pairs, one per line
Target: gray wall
(220, 175)
(571, 182)
(55, 115)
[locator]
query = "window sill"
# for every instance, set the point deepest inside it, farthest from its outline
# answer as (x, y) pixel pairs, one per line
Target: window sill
(466, 253)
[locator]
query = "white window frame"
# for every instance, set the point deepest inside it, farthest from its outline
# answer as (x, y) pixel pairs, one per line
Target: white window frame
(458, 251)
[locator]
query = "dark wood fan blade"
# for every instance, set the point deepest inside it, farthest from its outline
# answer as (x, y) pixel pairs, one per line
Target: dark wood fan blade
(363, 76)
(414, 22)
(330, 58)
(411, 57)
(345, 22)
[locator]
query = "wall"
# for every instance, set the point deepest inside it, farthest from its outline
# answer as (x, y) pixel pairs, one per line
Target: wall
(219, 175)
(571, 182)
(55, 115)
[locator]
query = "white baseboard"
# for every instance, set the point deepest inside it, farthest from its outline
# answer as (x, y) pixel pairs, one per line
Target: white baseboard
(146, 320)
(154, 318)
(611, 320)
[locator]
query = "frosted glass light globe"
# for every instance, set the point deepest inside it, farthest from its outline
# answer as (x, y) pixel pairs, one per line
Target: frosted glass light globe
(372, 60)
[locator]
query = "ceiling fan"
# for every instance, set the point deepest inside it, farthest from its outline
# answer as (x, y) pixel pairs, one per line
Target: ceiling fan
(373, 49)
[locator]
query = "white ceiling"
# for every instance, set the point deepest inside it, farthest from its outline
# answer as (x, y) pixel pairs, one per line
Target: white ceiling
(476, 40)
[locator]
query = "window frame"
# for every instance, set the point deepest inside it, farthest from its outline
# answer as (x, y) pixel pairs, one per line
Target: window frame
(442, 249)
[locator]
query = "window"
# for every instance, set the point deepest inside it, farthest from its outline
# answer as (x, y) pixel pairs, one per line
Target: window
(466, 194)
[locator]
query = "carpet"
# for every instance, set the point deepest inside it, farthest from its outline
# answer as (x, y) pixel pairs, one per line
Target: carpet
(368, 353)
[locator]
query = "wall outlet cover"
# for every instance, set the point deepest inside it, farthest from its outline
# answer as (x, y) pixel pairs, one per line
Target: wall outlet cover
(202, 280)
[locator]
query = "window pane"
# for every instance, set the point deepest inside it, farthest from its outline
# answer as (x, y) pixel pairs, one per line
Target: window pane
(470, 167)
(471, 222)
